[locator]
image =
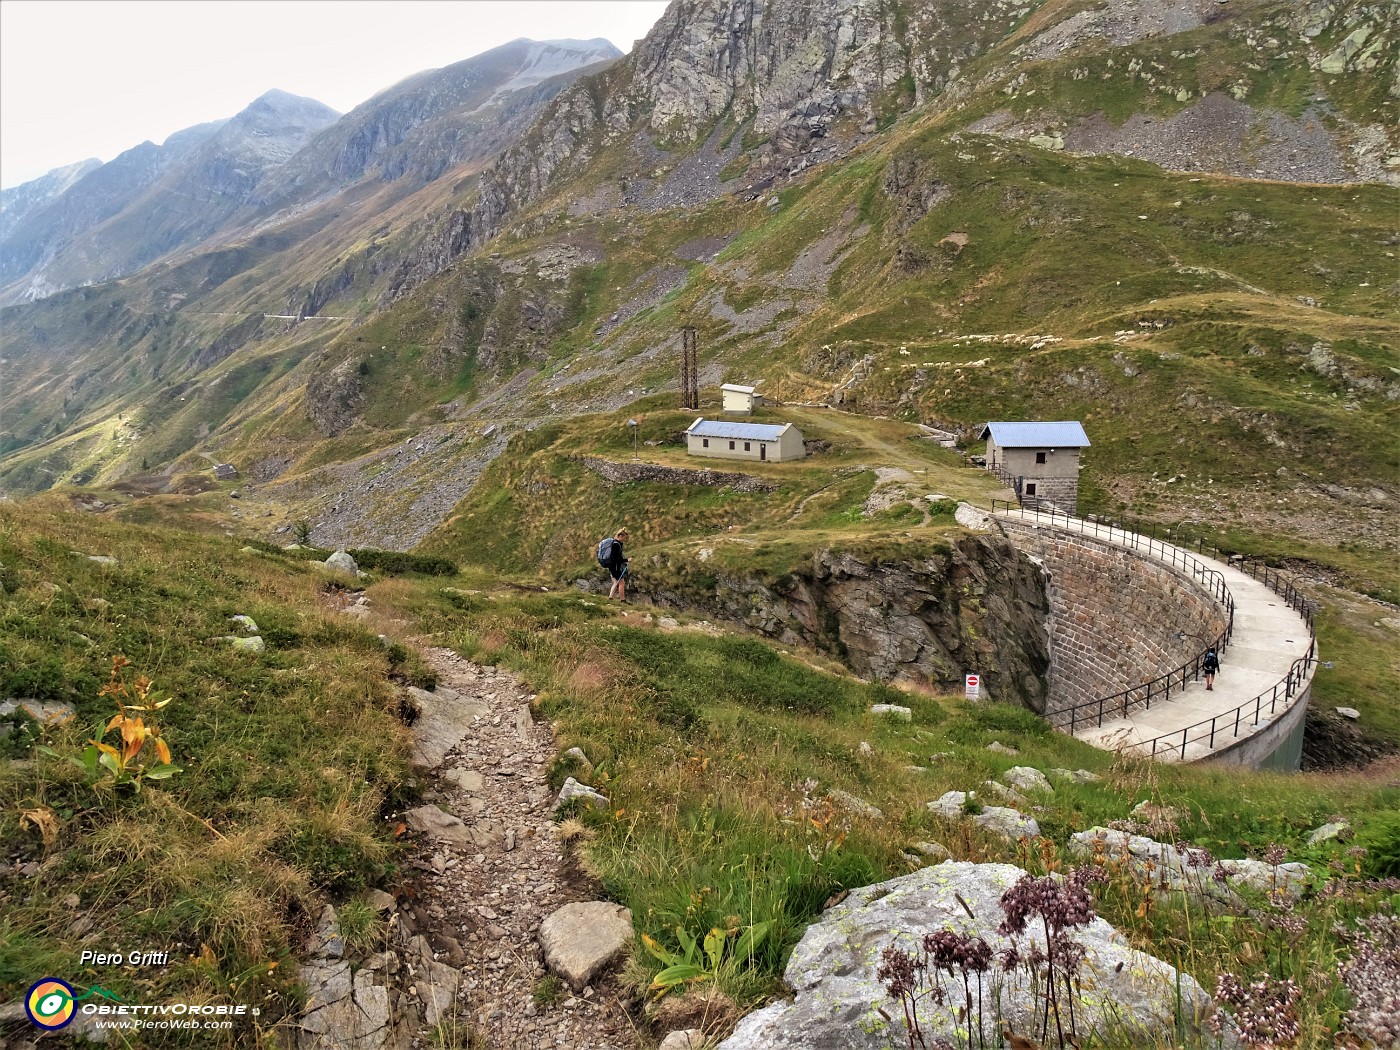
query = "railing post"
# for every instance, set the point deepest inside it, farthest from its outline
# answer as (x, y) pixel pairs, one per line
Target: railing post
(1183, 744)
(1212, 734)
(1237, 721)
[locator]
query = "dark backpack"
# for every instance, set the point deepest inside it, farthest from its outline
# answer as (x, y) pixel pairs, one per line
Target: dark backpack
(1211, 664)
(605, 552)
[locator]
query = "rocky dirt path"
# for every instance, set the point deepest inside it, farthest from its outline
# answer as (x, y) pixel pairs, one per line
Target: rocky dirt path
(488, 872)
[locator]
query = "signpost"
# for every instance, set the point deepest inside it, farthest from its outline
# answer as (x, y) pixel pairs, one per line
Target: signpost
(973, 687)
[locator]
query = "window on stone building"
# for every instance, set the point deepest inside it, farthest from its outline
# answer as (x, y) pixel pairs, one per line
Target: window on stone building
(1040, 457)
(1030, 488)
(705, 442)
(746, 446)
(731, 446)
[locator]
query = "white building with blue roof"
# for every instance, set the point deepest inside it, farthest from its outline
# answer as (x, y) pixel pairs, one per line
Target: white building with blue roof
(1039, 460)
(764, 442)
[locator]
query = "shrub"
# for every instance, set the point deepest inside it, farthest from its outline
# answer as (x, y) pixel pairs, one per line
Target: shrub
(396, 563)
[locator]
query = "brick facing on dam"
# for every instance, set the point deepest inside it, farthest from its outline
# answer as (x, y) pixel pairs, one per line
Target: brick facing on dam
(1114, 615)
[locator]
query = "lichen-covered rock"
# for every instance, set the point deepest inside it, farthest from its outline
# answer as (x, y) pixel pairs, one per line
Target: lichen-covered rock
(1009, 822)
(839, 1004)
(895, 711)
(1027, 778)
(1168, 869)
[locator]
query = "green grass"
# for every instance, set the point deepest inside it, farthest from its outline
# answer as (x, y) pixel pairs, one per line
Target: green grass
(288, 757)
(718, 752)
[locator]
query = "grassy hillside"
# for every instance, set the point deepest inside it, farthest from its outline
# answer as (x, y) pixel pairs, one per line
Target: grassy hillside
(286, 758)
(719, 755)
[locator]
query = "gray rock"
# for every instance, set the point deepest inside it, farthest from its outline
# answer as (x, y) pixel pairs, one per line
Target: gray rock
(1169, 870)
(934, 851)
(380, 901)
(572, 789)
(45, 712)
(1340, 830)
(468, 780)
(444, 716)
(1349, 712)
(581, 939)
(342, 562)
(254, 644)
(1027, 778)
(245, 622)
(970, 517)
(576, 753)
(839, 1003)
(999, 819)
(684, 1039)
(1001, 749)
(996, 789)
(851, 804)
(1281, 880)
(904, 714)
(102, 559)
(446, 828)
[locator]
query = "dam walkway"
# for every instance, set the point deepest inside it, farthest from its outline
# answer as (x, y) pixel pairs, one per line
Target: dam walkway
(1266, 666)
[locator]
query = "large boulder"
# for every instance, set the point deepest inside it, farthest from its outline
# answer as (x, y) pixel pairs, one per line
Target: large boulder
(580, 940)
(839, 1004)
(342, 562)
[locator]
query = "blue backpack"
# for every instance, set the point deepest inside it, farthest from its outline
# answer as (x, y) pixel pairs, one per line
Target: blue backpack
(605, 552)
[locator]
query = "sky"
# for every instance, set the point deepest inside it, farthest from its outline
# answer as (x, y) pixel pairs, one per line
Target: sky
(83, 79)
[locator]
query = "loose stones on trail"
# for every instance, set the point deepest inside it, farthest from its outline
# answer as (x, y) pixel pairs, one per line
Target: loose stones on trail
(443, 718)
(444, 827)
(580, 940)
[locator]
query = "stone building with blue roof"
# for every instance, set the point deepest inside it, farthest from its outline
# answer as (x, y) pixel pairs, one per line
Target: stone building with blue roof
(763, 442)
(1039, 460)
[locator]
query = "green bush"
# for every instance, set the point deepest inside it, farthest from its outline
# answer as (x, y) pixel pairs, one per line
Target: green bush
(396, 563)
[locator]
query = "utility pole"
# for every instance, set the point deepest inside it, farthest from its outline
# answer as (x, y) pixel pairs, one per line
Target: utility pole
(690, 370)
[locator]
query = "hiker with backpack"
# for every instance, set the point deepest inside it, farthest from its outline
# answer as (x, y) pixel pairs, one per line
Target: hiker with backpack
(1210, 666)
(611, 558)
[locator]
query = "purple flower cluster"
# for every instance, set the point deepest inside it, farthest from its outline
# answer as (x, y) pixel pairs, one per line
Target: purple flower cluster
(1059, 905)
(910, 979)
(1265, 1011)
(1372, 975)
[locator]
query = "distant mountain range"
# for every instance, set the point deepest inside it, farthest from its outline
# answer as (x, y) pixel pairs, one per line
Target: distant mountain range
(208, 184)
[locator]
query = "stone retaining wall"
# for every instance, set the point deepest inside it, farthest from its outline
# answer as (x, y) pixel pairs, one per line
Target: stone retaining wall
(1114, 614)
(622, 473)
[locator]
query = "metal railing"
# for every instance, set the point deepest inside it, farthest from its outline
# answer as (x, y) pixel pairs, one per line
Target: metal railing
(1230, 721)
(1119, 704)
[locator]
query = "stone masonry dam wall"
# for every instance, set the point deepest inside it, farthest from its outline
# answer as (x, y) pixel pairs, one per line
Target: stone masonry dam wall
(1114, 615)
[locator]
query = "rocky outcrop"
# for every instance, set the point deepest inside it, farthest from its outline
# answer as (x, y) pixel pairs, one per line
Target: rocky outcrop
(795, 71)
(973, 603)
(839, 1002)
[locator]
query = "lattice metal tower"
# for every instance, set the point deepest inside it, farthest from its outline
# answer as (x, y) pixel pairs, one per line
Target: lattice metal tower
(690, 370)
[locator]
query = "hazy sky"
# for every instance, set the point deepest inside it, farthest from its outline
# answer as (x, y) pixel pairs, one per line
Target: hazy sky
(85, 79)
